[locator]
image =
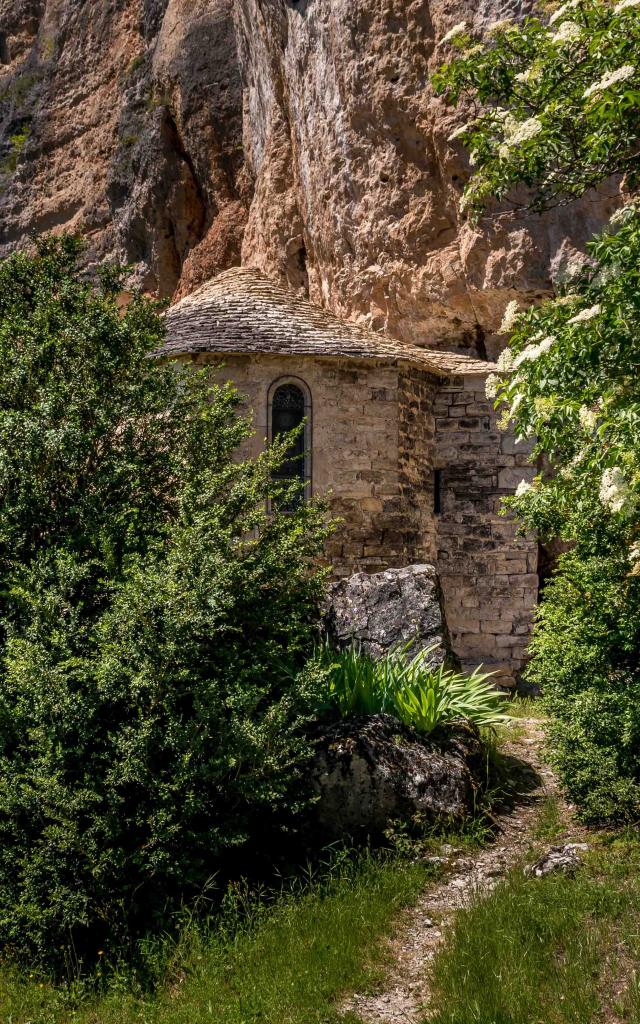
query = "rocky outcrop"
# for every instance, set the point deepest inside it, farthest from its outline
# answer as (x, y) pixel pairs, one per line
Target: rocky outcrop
(564, 859)
(390, 609)
(372, 771)
(298, 136)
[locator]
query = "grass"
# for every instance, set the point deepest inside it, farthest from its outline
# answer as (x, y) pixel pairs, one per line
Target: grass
(283, 963)
(549, 824)
(555, 950)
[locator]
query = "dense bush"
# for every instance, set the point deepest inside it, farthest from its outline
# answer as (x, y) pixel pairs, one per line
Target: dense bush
(420, 695)
(153, 621)
(556, 109)
(585, 658)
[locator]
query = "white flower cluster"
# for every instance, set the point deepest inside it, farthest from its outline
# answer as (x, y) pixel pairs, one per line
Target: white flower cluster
(459, 131)
(515, 405)
(606, 274)
(614, 489)
(534, 351)
(625, 213)
(624, 5)
(509, 317)
(567, 33)
(527, 130)
(588, 417)
(570, 269)
(634, 551)
(611, 78)
(491, 385)
(585, 314)
(457, 30)
(532, 74)
(562, 11)
(499, 26)
(505, 360)
(523, 487)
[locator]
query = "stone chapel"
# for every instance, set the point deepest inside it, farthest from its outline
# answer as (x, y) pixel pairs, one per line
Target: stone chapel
(400, 438)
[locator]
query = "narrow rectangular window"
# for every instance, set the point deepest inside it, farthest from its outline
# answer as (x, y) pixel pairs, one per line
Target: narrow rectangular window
(437, 491)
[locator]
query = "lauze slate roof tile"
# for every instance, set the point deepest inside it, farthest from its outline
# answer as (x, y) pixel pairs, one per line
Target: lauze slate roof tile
(241, 310)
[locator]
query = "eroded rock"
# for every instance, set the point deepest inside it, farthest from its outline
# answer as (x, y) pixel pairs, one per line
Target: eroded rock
(388, 609)
(371, 771)
(185, 136)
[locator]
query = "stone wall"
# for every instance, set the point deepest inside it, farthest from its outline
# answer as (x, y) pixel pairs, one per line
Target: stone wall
(488, 574)
(372, 444)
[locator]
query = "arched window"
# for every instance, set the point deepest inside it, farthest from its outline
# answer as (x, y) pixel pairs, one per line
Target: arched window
(289, 406)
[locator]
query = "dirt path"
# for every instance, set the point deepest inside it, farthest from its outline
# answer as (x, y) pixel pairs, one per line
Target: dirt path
(406, 998)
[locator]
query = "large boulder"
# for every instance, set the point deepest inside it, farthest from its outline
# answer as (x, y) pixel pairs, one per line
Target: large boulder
(372, 770)
(387, 609)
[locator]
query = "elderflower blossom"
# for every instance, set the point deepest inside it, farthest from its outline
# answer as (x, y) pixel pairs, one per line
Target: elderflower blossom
(457, 30)
(491, 385)
(527, 130)
(509, 318)
(532, 74)
(563, 10)
(533, 351)
(567, 33)
(515, 405)
(499, 26)
(566, 300)
(459, 131)
(523, 488)
(611, 78)
(516, 133)
(614, 489)
(624, 5)
(505, 360)
(530, 352)
(585, 314)
(544, 406)
(625, 213)
(588, 417)
(570, 269)
(504, 151)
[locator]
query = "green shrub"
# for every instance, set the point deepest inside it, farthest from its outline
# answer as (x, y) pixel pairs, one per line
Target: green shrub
(408, 688)
(584, 658)
(153, 622)
(557, 100)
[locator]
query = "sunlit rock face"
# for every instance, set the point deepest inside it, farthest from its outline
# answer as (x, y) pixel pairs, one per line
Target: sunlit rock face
(188, 136)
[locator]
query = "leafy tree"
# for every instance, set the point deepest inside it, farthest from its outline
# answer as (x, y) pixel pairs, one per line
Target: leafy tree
(558, 111)
(154, 620)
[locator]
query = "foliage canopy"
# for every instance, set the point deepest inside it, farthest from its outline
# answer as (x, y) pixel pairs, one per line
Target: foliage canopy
(558, 111)
(153, 620)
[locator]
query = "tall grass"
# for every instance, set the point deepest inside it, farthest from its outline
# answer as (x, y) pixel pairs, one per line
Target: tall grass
(418, 694)
(555, 950)
(267, 961)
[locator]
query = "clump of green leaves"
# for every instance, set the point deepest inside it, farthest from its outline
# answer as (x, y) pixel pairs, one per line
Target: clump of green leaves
(555, 106)
(419, 694)
(154, 621)
(17, 142)
(558, 111)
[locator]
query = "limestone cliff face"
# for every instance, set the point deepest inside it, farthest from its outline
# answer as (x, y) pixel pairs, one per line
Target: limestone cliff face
(299, 136)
